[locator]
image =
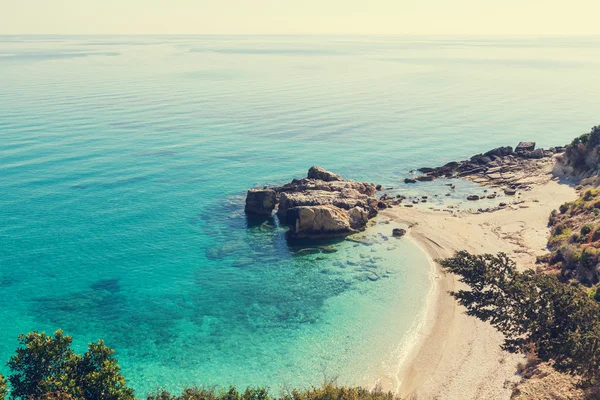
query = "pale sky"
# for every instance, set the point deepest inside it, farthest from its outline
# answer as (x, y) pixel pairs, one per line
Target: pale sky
(419, 17)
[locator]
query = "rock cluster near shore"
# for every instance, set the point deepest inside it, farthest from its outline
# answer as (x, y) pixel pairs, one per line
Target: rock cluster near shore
(502, 166)
(321, 205)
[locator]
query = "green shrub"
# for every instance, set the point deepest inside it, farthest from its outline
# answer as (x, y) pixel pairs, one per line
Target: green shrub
(571, 255)
(589, 194)
(586, 229)
(597, 295)
(327, 392)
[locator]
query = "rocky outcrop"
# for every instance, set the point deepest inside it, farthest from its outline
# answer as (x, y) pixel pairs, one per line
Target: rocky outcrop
(319, 206)
(500, 166)
(261, 201)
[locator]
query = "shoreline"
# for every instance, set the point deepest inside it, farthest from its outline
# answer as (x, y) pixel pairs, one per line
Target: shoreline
(456, 356)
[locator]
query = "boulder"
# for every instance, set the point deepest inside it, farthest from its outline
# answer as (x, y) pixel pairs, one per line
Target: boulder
(398, 232)
(473, 197)
(510, 192)
(410, 180)
(500, 151)
(316, 172)
(318, 222)
(451, 165)
(261, 201)
(538, 153)
(481, 159)
(425, 178)
(524, 147)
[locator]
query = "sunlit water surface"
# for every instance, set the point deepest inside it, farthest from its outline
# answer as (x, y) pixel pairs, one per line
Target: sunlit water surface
(124, 162)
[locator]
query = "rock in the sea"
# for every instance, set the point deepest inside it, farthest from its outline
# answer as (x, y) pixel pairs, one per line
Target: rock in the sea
(261, 201)
(321, 174)
(398, 232)
(510, 192)
(319, 206)
(425, 178)
(473, 197)
(328, 249)
(410, 180)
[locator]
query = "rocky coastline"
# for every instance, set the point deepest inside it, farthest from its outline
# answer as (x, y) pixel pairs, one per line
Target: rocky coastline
(501, 166)
(324, 205)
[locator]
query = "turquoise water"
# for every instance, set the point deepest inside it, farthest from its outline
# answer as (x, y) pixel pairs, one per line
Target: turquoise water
(124, 162)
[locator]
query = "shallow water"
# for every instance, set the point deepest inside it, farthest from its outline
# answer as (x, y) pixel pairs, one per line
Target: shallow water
(124, 162)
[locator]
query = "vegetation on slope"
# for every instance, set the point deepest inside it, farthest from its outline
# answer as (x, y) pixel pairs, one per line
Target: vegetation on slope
(45, 367)
(575, 239)
(582, 155)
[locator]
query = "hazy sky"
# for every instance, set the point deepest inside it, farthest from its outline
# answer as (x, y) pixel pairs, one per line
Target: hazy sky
(301, 16)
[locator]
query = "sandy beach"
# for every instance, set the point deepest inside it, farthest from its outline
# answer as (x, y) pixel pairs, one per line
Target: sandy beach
(459, 357)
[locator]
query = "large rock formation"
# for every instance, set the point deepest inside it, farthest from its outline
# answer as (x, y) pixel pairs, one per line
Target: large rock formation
(319, 206)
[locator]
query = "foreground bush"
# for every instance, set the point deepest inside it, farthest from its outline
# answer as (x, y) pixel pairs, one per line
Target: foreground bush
(46, 367)
(560, 322)
(327, 392)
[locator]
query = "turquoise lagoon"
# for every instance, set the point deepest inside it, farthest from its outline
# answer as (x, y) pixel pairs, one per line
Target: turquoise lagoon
(124, 162)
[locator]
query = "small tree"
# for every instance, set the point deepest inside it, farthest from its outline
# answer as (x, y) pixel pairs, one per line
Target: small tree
(560, 321)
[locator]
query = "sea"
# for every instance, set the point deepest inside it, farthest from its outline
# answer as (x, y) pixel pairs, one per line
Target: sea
(124, 163)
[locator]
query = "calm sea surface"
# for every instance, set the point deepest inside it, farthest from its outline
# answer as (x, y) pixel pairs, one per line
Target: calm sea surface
(124, 163)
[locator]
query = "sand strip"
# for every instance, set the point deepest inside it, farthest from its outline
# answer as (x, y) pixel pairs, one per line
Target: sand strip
(460, 357)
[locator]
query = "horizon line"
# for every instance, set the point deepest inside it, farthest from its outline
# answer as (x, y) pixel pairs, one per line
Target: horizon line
(317, 34)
